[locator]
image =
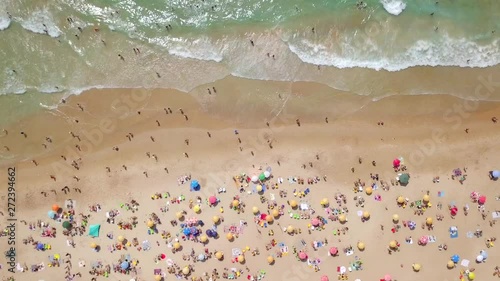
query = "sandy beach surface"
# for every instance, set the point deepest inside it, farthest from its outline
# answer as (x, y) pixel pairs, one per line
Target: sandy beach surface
(117, 148)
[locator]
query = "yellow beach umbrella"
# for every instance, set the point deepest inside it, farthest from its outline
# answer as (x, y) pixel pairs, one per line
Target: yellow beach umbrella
(197, 208)
(361, 246)
(401, 199)
(150, 223)
(269, 219)
(450, 264)
(293, 204)
(186, 270)
(426, 198)
(369, 190)
(324, 202)
(215, 219)
(259, 188)
(289, 229)
(219, 255)
(428, 221)
(157, 277)
(393, 244)
(241, 259)
(177, 245)
(416, 267)
(366, 215)
(93, 245)
(121, 239)
(255, 210)
(203, 238)
(472, 276)
(276, 213)
(270, 259)
(395, 218)
(236, 203)
(342, 218)
(179, 215)
(229, 236)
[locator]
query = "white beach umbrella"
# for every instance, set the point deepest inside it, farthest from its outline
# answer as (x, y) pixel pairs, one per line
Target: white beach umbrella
(267, 174)
(255, 178)
(479, 258)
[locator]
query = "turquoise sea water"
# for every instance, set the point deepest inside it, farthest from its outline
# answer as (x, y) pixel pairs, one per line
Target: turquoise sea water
(59, 47)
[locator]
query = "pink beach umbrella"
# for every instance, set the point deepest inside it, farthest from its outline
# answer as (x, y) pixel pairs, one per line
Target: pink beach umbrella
(302, 255)
(423, 240)
(396, 163)
(212, 200)
(454, 211)
(482, 200)
(474, 195)
(387, 277)
(324, 278)
(333, 251)
(315, 222)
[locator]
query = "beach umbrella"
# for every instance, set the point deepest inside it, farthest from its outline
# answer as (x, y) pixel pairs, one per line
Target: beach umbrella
(215, 219)
(255, 210)
(93, 245)
(179, 215)
(204, 238)
(479, 258)
(186, 270)
(395, 218)
(201, 257)
(236, 203)
(293, 204)
(495, 174)
(315, 222)
(481, 200)
(241, 259)
(302, 255)
(450, 264)
(121, 239)
(484, 254)
(276, 213)
(150, 223)
(324, 202)
(177, 245)
(401, 200)
(361, 246)
(455, 258)
(66, 225)
(125, 265)
(416, 267)
(395, 163)
(404, 179)
(267, 174)
(255, 178)
(186, 231)
(212, 200)
(387, 277)
(55, 208)
(426, 198)
(269, 219)
(262, 177)
(259, 188)
(219, 255)
(270, 259)
(428, 221)
(333, 251)
(158, 277)
(342, 218)
(51, 214)
(324, 278)
(471, 275)
(424, 240)
(369, 190)
(40, 246)
(393, 244)
(210, 233)
(195, 185)
(454, 211)
(366, 215)
(289, 229)
(229, 236)
(94, 230)
(196, 208)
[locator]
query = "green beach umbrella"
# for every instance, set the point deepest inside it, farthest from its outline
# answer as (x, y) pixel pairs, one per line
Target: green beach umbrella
(94, 230)
(262, 177)
(404, 179)
(66, 225)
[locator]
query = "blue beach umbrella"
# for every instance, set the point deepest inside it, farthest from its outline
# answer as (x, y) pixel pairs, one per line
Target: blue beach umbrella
(186, 231)
(455, 258)
(39, 246)
(484, 254)
(496, 174)
(125, 265)
(195, 185)
(51, 214)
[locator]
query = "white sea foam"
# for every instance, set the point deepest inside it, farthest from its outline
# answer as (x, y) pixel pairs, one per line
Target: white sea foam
(444, 52)
(393, 7)
(200, 49)
(41, 22)
(4, 21)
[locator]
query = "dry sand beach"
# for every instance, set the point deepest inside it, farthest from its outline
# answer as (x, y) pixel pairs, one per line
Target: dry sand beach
(331, 153)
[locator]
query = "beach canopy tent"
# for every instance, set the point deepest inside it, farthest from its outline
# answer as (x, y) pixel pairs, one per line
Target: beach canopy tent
(66, 225)
(404, 179)
(195, 185)
(94, 230)
(51, 214)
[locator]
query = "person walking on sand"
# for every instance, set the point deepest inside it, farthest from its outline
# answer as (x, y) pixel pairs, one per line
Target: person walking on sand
(24, 134)
(298, 122)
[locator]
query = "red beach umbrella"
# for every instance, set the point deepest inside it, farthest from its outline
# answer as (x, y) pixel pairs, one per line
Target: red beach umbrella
(396, 163)
(163, 256)
(324, 278)
(333, 251)
(481, 200)
(212, 200)
(454, 211)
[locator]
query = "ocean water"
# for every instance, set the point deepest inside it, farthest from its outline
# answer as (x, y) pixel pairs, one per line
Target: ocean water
(52, 48)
